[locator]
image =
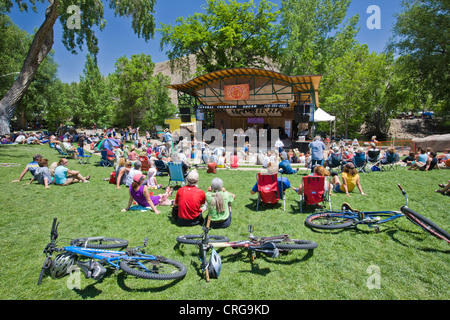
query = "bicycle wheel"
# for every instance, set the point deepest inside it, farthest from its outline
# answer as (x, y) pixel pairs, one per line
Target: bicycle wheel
(196, 239)
(159, 268)
(425, 224)
(100, 243)
(294, 244)
(329, 220)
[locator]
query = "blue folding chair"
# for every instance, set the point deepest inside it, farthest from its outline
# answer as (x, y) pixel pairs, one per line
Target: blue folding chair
(360, 161)
(105, 162)
(176, 173)
(162, 167)
(83, 156)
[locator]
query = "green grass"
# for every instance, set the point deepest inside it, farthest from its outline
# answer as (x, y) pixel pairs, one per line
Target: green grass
(412, 263)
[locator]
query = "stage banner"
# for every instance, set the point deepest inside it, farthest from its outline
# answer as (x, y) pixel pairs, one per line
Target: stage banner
(237, 92)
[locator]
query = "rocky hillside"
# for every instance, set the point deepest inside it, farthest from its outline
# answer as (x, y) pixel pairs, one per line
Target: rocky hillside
(414, 128)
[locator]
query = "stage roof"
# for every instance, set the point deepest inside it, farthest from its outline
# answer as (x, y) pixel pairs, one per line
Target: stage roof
(263, 88)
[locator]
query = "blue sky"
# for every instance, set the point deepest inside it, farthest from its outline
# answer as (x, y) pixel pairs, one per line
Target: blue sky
(118, 39)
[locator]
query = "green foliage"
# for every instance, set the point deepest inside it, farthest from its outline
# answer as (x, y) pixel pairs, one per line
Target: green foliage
(94, 97)
(13, 44)
(421, 37)
(354, 86)
(142, 98)
(315, 34)
(230, 34)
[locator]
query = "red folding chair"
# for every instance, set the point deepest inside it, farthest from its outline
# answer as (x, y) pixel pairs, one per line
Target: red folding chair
(269, 190)
(145, 163)
(313, 192)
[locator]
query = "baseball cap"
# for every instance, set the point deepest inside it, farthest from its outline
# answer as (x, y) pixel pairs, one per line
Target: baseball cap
(138, 177)
(192, 177)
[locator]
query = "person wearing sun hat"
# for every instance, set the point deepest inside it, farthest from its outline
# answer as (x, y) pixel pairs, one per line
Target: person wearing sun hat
(189, 200)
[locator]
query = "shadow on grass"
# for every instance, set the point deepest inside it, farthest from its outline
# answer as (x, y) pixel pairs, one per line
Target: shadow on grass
(91, 291)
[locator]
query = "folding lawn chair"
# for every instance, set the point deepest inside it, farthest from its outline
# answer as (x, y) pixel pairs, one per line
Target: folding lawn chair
(360, 161)
(66, 153)
(176, 173)
(373, 159)
(389, 163)
(313, 192)
(106, 161)
(83, 156)
(162, 167)
(145, 163)
(336, 162)
(270, 189)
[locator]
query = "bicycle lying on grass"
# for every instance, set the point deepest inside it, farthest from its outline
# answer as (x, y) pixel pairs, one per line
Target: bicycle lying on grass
(349, 217)
(269, 246)
(91, 255)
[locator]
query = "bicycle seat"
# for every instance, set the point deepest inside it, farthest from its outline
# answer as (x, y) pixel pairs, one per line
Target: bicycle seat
(346, 207)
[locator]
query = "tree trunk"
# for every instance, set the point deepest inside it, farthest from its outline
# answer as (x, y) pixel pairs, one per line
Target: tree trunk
(40, 47)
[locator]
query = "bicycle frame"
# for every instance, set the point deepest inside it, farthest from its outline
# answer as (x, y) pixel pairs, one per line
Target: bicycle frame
(111, 257)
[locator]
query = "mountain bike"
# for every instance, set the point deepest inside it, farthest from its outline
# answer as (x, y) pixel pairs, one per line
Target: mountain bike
(92, 255)
(269, 246)
(348, 217)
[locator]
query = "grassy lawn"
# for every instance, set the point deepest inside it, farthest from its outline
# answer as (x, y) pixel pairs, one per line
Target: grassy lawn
(411, 263)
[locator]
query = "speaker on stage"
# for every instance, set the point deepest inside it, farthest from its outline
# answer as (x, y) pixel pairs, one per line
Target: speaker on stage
(185, 114)
(301, 113)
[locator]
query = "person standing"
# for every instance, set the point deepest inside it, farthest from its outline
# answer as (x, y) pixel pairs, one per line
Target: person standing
(317, 148)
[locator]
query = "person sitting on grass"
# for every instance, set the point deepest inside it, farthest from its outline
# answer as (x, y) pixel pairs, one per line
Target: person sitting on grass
(445, 189)
(64, 176)
(219, 204)
(350, 180)
(31, 167)
(285, 166)
(431, 163)
(145, 201)
(189, 201)
(42, 174)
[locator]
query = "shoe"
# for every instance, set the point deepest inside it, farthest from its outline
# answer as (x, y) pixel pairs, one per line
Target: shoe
(88, 177)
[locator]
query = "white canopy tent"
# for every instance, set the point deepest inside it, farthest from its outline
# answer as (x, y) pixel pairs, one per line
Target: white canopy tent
(321, 116)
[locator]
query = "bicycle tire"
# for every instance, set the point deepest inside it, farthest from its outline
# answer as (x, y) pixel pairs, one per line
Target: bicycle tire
(425, 224)
(328, 221)
(132, 266)
(196, 239)
(294, 244)
(101, 243)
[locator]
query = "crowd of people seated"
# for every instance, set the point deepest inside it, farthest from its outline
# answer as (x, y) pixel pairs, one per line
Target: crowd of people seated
(191, 203)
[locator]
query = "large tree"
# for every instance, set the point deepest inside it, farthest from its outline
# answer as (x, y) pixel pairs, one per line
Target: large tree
(229, 34)
(315, 33)
(75, 36)
(142, 99)
(422, 38)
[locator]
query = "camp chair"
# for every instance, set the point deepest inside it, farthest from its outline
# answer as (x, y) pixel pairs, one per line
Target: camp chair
(176, 173)
(65, 152)
(145, 163)
(105, 162)
(391, 160)
(162, 167)
(270, 189)
(360, 161)
(373, 159)
(313, 192)
(83, 157)
(336, 162)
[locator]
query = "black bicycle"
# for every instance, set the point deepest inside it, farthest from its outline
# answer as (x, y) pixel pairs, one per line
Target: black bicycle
(348, 217)
(269, 246)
